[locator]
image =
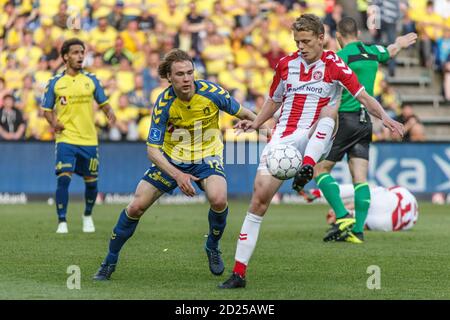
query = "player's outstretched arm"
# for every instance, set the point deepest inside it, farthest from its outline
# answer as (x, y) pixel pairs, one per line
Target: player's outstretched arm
(401, 42)
(375, 108)
(268, 110)
(183, 179)
(53, 121)
(108, 111)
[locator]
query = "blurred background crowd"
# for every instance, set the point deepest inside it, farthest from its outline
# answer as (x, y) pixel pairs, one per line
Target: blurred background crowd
(235, 43)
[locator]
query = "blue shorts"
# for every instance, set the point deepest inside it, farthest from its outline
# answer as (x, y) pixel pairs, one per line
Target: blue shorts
(208, 167)
(83, 160)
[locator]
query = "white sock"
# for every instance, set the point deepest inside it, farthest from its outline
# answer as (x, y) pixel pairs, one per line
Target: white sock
(248, 237)
(320, 140)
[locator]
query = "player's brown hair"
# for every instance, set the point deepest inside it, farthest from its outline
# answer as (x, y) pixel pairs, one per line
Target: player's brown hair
(174, 55)
(309, 22)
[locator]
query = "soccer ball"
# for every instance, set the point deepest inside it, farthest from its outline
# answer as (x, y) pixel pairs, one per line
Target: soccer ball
(283, 161)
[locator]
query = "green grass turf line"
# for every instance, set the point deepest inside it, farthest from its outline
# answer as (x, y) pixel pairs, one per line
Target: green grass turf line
(290, 261)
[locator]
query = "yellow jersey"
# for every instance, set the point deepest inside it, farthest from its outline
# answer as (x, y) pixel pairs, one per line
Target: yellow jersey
(189, 130)
(72, 98)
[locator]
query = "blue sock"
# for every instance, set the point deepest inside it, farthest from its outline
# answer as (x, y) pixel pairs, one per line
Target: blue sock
(90, 195)
(123, 230)
(217, 223)
(62, 196)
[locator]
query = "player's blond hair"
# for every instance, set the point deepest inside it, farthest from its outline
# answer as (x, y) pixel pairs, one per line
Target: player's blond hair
(174, 55)
(309, 22)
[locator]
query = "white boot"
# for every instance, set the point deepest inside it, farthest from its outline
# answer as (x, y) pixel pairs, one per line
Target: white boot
(62, 228)
(88, 224)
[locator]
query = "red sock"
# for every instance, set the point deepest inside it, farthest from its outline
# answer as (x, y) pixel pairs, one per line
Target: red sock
(308, 160)
(240, 269)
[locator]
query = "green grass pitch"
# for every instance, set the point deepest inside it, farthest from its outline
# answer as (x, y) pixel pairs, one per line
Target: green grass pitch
(165, 258)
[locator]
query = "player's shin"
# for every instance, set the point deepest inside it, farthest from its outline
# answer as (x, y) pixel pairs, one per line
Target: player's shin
(362, 204)
(90, 195)
(217, 223)
(247, 242)
(331, 192)
(62, 196)
(319, 141)
(123, 230)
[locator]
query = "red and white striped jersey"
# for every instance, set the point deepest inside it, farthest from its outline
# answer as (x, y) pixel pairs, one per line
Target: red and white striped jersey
(305, 89)
(405, 215)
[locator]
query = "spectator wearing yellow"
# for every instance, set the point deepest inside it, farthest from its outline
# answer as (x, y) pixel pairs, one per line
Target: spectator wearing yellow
(26, 97)
(76, 32)
(103, 36)
(47, 33)
(28, 52)
(42, 75)
(125, 127)
(102, 72)
(133, 38)
(172, 16)
(430, 23)
(222, 18)
(48, 8)
(144, 127)
(113, 92)
(125, 76)
(38, 127)
(216, 52)
(8, 15)
(163, 84)
(12, 74)
(249, 57)
(132, 9)
(14, 36)
(233, 77)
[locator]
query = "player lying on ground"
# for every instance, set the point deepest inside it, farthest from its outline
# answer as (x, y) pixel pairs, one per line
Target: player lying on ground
(307, 85)
(185, 146)
(391, 209)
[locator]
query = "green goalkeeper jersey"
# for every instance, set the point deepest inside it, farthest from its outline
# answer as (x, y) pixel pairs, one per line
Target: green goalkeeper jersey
(363, 60)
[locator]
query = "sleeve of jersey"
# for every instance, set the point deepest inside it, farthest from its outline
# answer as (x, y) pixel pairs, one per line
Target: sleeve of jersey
(99, 93)
(382, 53)
(347, 78)
(276, 88)
(158, 125)
(48, 101)
(225, 102)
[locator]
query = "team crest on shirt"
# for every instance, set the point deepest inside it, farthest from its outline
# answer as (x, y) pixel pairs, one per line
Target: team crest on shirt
(317, 75)
(206, 111)
(63, 100)
(86, 85)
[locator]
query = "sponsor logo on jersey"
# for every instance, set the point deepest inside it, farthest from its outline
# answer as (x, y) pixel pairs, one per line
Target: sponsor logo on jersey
(307, 89)
(63, 100)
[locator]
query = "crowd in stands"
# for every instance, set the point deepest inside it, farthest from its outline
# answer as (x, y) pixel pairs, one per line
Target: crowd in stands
(233, 42)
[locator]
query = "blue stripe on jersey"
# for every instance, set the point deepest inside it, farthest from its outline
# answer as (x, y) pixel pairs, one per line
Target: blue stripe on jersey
(99, 93)
(218, 95)
(160, 116)
(48, 100)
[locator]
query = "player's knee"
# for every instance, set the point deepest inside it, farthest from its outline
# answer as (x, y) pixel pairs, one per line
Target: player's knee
(259, 205)
(91, 183)
(218, 203)
(64, 180)
(135, 210)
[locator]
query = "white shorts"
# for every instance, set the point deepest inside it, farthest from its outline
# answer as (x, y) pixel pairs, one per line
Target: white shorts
(298, 139)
